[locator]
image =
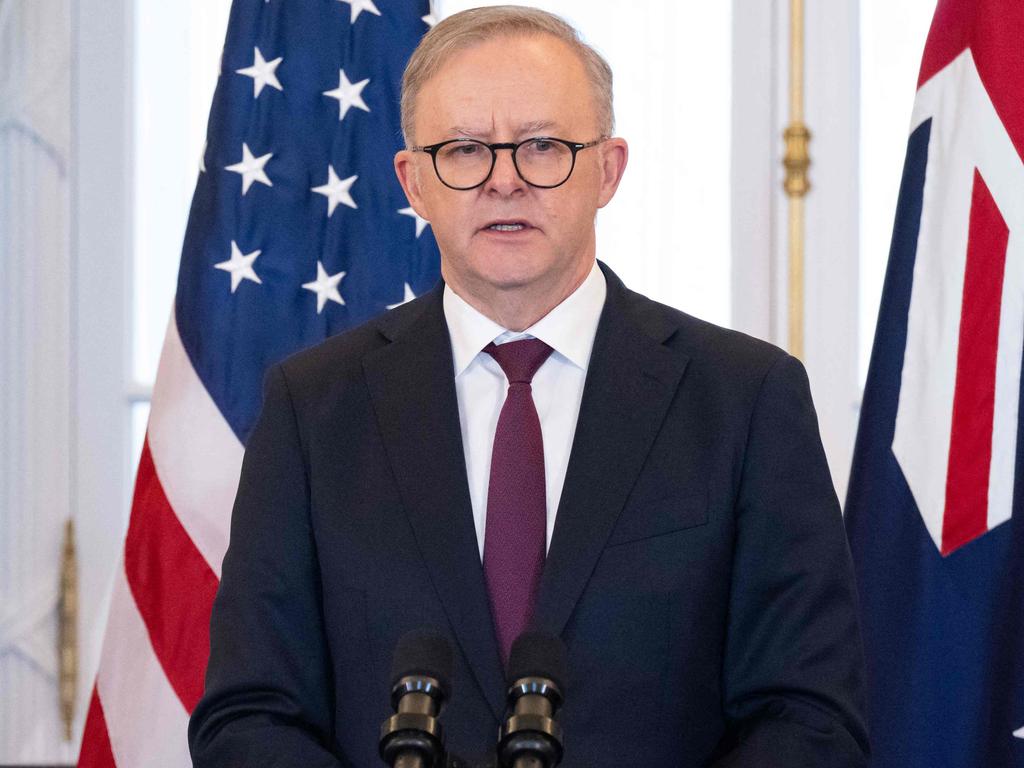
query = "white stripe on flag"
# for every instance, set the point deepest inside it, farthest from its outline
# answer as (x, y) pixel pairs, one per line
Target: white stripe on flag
(1008, 370)
(197, 457)
(146, 722)
(925, 415)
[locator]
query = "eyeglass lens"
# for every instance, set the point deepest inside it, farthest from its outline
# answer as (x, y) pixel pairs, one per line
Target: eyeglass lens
(541, 162)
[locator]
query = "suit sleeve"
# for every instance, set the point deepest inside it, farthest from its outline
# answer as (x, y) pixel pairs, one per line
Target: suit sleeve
(794, 673)
(267, 700)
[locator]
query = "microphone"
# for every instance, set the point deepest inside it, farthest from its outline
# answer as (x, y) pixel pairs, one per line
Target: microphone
(530, 737)
(421, 672)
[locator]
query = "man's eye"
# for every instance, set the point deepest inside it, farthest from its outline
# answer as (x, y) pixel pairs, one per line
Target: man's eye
(466, 150)
(541, 145)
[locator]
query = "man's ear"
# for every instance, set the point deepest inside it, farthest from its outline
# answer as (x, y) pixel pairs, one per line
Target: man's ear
(614, 154)
(408, 175)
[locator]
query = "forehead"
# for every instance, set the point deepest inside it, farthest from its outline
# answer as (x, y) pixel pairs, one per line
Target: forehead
(505, 84)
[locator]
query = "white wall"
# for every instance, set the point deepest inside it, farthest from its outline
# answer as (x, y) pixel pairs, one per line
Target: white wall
(833, 227)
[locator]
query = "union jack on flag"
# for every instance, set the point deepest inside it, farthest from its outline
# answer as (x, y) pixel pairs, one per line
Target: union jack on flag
(298, 230)
(935, 511)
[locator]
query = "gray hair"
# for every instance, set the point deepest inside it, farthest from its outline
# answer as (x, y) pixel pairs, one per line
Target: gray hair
(467, 28)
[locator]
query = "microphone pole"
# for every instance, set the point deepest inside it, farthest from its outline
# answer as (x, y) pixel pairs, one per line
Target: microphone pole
(421, 674)
(530, 736)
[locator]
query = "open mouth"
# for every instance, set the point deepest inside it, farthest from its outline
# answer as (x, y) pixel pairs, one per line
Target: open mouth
(507, 226)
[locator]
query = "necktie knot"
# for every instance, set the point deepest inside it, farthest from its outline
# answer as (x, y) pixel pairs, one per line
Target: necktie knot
(519, 359)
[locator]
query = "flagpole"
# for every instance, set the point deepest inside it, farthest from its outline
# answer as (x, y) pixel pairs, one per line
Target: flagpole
(68, 633)
(796, 162)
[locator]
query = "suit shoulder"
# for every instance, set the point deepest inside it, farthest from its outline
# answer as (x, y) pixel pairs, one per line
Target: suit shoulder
(338, 359)
(337, 354)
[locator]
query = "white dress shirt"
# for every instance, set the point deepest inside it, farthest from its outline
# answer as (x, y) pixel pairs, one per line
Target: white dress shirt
(480, 386)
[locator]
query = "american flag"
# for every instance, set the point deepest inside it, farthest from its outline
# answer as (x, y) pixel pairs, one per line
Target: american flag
(298, 230)
(935, 511)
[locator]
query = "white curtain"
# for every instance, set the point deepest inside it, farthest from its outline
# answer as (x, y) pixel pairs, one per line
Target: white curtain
(35, 380)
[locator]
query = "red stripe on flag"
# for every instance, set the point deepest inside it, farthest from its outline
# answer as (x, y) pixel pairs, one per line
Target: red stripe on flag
(970, 445)
(172, 584)
(96, 752)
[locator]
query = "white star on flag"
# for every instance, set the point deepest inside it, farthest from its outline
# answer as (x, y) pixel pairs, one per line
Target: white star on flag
(336, 191)
(251, 168)
(348, 94)
(202, 159)
(421, 223)
(358, 6)
(431, 18)
(262, 73)
(1019, 733)
(240, 266)
(409, 296)
(325, 287)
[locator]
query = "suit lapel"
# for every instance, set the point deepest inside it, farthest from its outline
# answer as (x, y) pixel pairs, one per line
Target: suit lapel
(630, 384)
(411, 383)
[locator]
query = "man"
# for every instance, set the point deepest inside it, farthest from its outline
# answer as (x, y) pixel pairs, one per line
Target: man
(649, 487)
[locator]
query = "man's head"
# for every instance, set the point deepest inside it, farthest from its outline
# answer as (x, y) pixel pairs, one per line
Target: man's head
(503, 75)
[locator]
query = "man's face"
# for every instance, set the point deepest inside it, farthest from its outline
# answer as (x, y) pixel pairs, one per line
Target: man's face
(507, 90)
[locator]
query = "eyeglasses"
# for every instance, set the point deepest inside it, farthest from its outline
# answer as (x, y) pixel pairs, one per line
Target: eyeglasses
(542, 161)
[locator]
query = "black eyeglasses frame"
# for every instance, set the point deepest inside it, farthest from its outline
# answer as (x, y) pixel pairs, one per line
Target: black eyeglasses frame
(574, 147)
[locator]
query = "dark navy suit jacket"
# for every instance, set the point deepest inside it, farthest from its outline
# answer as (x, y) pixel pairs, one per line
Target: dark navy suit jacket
(698, 571)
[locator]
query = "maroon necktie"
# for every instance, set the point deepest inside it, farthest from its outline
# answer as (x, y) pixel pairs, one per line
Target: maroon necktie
(514, 536)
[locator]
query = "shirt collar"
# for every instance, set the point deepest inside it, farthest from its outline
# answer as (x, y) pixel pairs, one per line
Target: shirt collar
(569, 328)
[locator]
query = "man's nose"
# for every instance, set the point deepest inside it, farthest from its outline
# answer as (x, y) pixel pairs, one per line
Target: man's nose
(504, 178)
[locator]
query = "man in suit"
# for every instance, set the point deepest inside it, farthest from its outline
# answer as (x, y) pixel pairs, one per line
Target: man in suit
(534, 445)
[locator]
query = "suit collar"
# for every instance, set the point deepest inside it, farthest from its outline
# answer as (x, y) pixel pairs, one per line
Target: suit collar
(413, 393)
(632, 380)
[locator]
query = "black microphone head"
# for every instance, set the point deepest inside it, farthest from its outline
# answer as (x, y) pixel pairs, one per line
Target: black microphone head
(537, 654)
(423, 652)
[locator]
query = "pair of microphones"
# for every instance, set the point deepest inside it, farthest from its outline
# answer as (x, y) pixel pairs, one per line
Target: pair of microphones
(421, 673)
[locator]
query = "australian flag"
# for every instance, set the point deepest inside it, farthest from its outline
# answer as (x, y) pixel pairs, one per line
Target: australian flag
(298, 230)
(935, 511)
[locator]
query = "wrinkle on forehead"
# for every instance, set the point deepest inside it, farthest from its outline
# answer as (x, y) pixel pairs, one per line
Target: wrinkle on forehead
(530, 128)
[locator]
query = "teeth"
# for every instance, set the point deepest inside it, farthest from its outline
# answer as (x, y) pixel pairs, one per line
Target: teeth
(506, 227)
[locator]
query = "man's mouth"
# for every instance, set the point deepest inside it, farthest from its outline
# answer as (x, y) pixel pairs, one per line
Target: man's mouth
(507, 226)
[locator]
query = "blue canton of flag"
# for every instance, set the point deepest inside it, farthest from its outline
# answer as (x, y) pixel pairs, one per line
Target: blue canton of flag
(299, 228)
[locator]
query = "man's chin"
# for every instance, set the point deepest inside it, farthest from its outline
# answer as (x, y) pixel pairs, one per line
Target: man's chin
(511, 281)
(509, 271)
